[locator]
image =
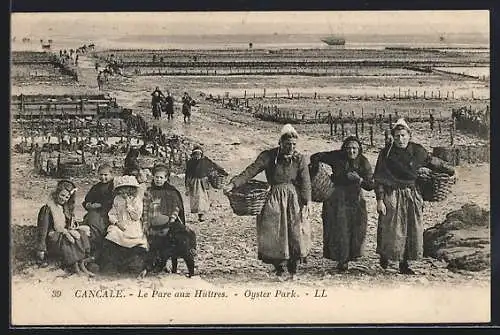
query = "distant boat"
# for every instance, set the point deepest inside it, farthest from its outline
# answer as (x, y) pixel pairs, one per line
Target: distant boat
(333, 40)
(441, 38)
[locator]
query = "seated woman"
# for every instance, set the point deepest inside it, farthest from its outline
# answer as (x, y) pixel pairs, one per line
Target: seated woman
(58, 235)
(125, 245)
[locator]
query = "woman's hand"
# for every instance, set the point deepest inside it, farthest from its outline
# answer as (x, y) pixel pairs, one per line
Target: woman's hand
(121, 226)
(306, 209)
(423, 171)
(69, 237)
(354, 176)
(40, 255)
(381, 207)
(85, 229)
(75, 234)
(95, 205)
(228, 188)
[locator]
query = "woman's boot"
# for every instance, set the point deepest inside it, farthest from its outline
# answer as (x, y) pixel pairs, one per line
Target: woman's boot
(342, 266)
(384, 262)
(404, 268)
(292, 269)
(279, 270)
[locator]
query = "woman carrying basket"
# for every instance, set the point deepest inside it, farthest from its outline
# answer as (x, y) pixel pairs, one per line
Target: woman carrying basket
(344, 214)
(283, 232)
(198, 168)
(399, 202)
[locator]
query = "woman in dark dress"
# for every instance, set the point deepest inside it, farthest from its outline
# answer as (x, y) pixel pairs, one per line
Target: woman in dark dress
(399, 202)
(344, 214)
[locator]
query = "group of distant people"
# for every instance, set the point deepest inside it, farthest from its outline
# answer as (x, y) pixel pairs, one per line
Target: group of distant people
(68, 57)
(71, 56)
(161, 102)
(112, 67)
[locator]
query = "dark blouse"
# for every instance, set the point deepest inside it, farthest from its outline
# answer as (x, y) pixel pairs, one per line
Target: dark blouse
(341, 166)
(102, 194)
(397, 167)
(199, 168)
(279, 170)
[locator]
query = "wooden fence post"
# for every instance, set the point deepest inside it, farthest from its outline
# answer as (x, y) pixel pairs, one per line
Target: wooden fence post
(371, 135)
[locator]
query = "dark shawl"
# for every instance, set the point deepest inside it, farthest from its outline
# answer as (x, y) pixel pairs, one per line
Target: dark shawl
(397, 166)
(199, 168)
(170, 199)
(341, 165)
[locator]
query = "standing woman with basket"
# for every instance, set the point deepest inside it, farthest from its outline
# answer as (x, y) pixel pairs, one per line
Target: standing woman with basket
(344, 215)
(198, 168)
(399, 202)
(283, 232)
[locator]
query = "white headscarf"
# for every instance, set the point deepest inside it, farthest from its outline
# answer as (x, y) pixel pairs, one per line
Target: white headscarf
(288, 130)
(401, 122)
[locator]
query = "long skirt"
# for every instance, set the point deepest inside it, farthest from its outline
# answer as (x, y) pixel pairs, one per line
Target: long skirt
(117, 259)
(198, 197)
(186, 111)
(282, 233)
(400, 232)
(69, 253)
(98, 224)
(344, 225)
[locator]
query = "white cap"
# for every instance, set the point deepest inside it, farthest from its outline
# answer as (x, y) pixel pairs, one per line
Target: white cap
(401, 122)
(288, 129)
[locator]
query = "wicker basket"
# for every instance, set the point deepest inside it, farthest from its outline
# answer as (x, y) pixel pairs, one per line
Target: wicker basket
(248, 199)
(218, 178)
(435, 187)
(321, 184)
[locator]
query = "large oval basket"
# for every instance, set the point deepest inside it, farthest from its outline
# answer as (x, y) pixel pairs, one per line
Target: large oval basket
(248, 199)
(321, 183)
(436, 187)
(218, 178)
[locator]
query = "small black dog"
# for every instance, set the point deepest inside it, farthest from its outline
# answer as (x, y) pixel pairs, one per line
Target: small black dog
(171, 241)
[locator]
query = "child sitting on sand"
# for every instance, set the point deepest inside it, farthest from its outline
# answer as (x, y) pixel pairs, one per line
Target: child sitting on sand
(125, 246)
(98, 202)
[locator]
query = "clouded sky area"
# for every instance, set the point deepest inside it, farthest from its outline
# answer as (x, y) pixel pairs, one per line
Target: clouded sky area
(352, 22)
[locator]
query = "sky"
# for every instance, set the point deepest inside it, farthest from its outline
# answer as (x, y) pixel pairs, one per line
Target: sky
(311, 22)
